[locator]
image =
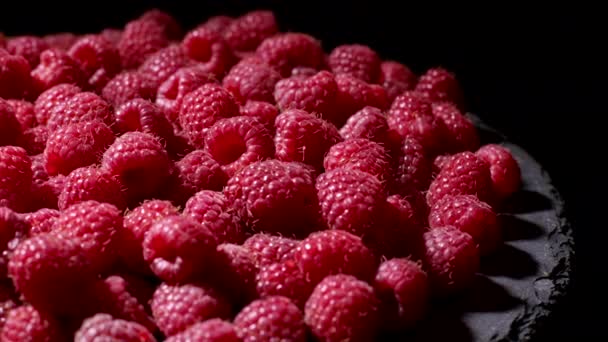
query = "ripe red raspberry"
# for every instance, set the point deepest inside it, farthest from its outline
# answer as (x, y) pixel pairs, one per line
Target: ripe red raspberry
(217, 23)
(41, 221)
(368, 123)
(269, 249)
(396, 78)
(142, 115)
(140, 163)
(57, 67)
(356, 60)
(403, 289)
(25, 323)
(13, 229)
(286, 51)
(350, 200)
(139, 40)
(96, 56)
(177, 307)
(360, 154)
(212, 330)
(198, 171)
(39, 173)
(112, 35)
(46, 193)
(271, 318)
(265, 112)
(170, 26)
(202, 108)
(504, 169)
(162, 64)
(461, 133)
(248, 31)
(315, 94)
(463, 174)
(237, 142)
(51, 98)
(34, 140)
(332, 252)
(340, 308)
(102, 327)
(302, 137)
(51, 273)
(412, 168)
(251, 79)
(209, 50)
(80, 108)
(61, 40)
(91, 184)
(15, 177)
(451, 260)
(353, 95)
(15, 79)
(213, 210)
(10, 128)
(234, 272)
(179, 249)
(24, 112)
(274, 196)
(439, 85)
(284, 279)
(76, 145)
(126, 86)
(28, 47)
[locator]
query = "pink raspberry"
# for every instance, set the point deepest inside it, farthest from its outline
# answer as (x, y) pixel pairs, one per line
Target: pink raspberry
(353, 95)
(24, 112)
(28, 47)
(350, 200)
(61, 40)
(461, 133)
(51, 98)
(286, 51)
(251, 79)
(34, 140)
(10, 128)
(142, 115)
(356, 60)
(162, 64)
(396, 78)
(439, 85)
(94, 53)
(284, 279)
(269, 249)
(213, 210)
(199, 171)
(412, 167)
(126, 86)
(332, 252)
(248, 31)
(271, 318)
(403, 289)
(169, 24)
(139, 40)
(315, 94)
(217, 23)
(106, 328)
(57, 67)
(274, 196)
(212, 330)
(504, 169)
(80, 108)
(13, 229)
(76, 145)
(302, 137)
(202, 108)
(15, 79)
(265, 112)
(177, 307)
(91, 184)
(341, 307)
(209, 50)
(41, 221)
(26, 323)
(235, 272)
(368, 123)
(451, 259)
(15, 177)
(179, 249)
(360, 154)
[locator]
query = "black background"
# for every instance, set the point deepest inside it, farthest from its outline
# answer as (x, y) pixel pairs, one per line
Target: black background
(537, 74)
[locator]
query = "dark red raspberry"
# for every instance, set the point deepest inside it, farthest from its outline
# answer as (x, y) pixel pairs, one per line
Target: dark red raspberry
(286, 51)
(212, 209)
(139, 40)
(360, 154)
(368, 123)
(269, 249)
(332, 252)
(461, 133)
(504, 169)
(34, 140)
(13, 229)
(353, 95)
(112, 35)
(202, 108)
(340, 308)
(451, 259)
(24, 112)
(272, 318)
(439, 85)
(234, 272)
(412, 168)
(91, 184)
(57, 67)
(25, 323)
(76, 145)
(161, 65)
(10, 128)
(209, 49)
(51, 98)
(28, 47)
(462, 174)
(175, 308)
(15, 177)
(199, 171)
(315, 94)
(251, 79)
(95, 54)
(265, 112)
(284, 279)
(41, 221)
(61, 40)
(15, 79)
(403, 289)
(142, 115)
(396, 78)
(102, 327)
(350, 200)
(302, 137)
(169, 24)
(356, 60)
(46, 194)
(140, 163)
(179, 249)
(248, 31)
(80, 108)
(274, 196)
(212, 330)
(126, 86)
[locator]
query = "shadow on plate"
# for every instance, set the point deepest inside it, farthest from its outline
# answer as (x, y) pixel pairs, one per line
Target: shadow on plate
(515, 228)
(526, 201)
(510, 262)
(488, 296)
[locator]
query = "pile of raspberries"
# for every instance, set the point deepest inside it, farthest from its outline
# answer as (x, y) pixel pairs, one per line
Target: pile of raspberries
(233, 183)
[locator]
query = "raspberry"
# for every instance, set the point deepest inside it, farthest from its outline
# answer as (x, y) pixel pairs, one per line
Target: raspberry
(412, 168)
(213, 330)
(24, 112)
(51, 98)
(34, 140)
(28, 47)
(8, 302)
(315, 94)
(15, 176)
(96, 54)
(265, 112)
(274, 196)
(269, 249)
(15, 79)
(360, 154)
(142, 115)
(169, 25)
(461, 133)
(368, 123)
(353, 95)
(463, 174)
(39, 174)
(251, 79)
(302, 137)
(332, 252)
(248, 31)
(126, 86)
(178, 249)
(396, 78)
(217, 23)
(403, 289)
(112, 35)
(91, 184)
(175, 308)
(284, 279)
(235, 272)
(356, 60)
(61, 41)
(273, 318)
(76, 145)
(202, 108)
(213, 210)
(438, 85)
(102, 327)
(139, 40)
(340, 308)
(25, 323)
(46, 194)
(80, 108)
(350, 200)
(237, 142)
(13, 229)
(209, 50)
(451, 259)
(56, 67)
(199, 171)
(140, 163)
(286, 51)
(504, 170)
(41, 221)
(162, 64)
(10, 128)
